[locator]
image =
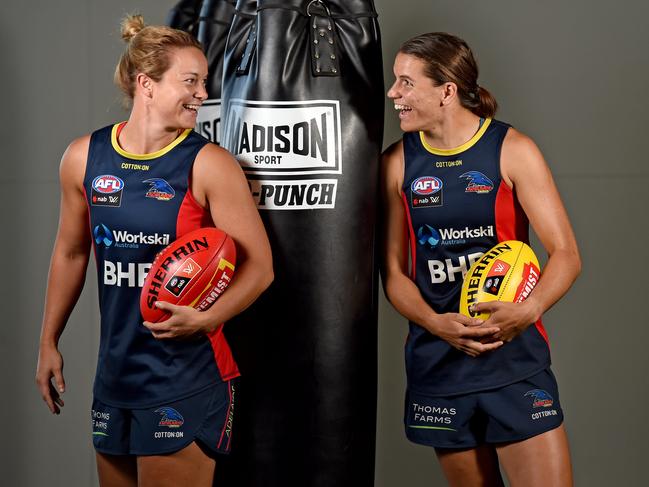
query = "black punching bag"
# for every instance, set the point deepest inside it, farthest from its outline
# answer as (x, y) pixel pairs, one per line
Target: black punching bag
(184, 15)
(303, 113)
(212, 32)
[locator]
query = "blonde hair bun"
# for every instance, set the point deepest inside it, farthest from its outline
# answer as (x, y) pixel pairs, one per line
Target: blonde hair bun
(131, 25)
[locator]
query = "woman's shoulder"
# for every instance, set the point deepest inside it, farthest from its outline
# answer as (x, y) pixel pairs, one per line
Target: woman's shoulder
(517, 143)
(73, 162)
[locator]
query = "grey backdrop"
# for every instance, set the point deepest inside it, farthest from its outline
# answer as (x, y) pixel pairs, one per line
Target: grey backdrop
(572, 74)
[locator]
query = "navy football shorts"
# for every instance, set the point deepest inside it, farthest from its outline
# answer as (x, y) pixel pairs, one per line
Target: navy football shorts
(512, 413)
(205, 417)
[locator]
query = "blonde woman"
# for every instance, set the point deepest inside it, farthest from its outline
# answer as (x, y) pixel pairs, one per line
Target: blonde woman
(164, 393)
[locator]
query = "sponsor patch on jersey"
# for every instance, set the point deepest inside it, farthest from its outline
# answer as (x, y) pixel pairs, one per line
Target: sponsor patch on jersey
(170, 417)
(426, 192)
(495, 277)
(124, 239)
(427, 236)
(432, 237)
(106, 190)
(178, 282)
(131, 166)
(159, 189)
(103, 235)
(443, 164)
(477, 182)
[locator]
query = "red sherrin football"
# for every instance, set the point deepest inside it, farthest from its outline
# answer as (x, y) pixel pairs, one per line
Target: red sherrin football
(194, 270)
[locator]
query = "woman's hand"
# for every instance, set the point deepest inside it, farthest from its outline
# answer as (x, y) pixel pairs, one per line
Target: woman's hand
(511, 319)
(184, 322)
(465, 334)
(50, 365)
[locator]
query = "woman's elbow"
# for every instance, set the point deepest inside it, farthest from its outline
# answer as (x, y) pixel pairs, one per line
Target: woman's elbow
(267, 276)
(577, 263)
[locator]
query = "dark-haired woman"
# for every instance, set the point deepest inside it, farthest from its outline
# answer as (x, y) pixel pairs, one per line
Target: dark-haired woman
(459, 182)
(164, 392)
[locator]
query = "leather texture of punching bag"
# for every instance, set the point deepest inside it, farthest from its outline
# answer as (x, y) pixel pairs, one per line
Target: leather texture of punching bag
(212, 32)
(184, 15)
(303, 102)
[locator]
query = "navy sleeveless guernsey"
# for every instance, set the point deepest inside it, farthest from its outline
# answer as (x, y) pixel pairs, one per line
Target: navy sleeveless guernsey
(138, 204)
(457, 208)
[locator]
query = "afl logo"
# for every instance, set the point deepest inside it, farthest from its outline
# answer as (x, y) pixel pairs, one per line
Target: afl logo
(107, 184)
(426, 185)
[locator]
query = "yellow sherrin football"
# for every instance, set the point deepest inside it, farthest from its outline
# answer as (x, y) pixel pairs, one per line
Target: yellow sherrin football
(508, 272)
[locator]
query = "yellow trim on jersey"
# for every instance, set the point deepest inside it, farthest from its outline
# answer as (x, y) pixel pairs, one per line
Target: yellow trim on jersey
(451, 152)
(151, 155)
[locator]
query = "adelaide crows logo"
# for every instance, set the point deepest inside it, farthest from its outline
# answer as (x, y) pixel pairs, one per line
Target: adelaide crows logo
(478, 182)
(541, 398)
(159, 189)
(170, 417)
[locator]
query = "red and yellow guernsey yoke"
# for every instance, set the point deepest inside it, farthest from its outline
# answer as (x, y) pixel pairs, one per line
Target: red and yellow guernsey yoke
(138, 204)
(457, 208)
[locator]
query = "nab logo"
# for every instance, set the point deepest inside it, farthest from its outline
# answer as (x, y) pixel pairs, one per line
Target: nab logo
(107, 184)
(426, 185)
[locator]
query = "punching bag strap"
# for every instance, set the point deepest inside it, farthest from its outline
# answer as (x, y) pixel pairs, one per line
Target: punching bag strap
(251, 42)
(324, 57)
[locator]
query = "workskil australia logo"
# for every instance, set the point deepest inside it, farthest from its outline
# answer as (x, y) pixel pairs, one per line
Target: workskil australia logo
(432, 237)
(285, 148)
(208, 121)
(122, 238)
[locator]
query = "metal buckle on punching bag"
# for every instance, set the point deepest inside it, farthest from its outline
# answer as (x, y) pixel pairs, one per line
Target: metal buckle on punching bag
(251, 42)
(324, 58)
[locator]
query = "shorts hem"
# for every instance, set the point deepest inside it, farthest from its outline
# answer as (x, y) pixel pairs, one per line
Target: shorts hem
(476, 444)
(165, 451)
(107, 451)
(432, 444)
(523, 437)
(213, 450)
